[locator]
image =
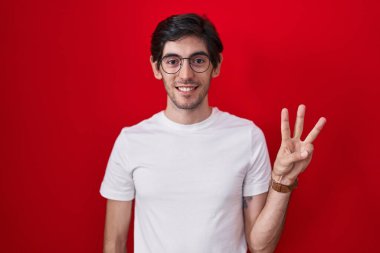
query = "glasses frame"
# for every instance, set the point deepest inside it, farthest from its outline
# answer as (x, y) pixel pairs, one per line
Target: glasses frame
(181, 64)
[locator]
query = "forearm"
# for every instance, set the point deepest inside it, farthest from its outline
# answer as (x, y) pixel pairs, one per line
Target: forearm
(115, 246)
(267, 229)
(116, 227)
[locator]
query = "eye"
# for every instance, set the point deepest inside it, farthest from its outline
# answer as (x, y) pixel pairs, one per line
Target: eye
(199, 60)
(172, 61)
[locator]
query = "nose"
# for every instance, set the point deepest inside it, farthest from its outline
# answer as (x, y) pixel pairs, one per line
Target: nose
(186, 72)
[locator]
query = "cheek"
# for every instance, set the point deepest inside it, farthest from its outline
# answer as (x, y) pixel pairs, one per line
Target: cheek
(206, 79)
(168, 80)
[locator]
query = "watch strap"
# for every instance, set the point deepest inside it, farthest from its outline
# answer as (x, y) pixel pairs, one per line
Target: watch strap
(277, 186)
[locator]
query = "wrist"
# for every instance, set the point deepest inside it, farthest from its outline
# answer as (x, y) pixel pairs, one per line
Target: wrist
(283, 184)
(283, 179)
(288, 181)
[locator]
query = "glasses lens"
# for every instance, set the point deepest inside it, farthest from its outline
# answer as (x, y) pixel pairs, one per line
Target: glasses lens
(171, 64)
(199, 63)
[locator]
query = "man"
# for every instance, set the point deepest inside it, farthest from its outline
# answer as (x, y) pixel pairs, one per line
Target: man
(190, 166)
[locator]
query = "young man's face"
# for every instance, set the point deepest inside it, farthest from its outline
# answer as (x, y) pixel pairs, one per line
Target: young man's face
(186, 89)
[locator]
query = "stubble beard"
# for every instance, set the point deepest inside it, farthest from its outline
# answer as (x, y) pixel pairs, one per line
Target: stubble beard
(203, 91)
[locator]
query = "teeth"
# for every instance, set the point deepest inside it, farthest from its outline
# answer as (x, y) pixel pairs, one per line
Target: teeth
(186, 88)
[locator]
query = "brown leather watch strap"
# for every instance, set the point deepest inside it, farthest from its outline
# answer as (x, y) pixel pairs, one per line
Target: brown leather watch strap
(284, 188)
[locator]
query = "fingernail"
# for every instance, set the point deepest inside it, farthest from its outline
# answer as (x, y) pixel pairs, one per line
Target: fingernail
(304, 154)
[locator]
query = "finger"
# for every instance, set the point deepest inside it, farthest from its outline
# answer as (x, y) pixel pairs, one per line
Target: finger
(297, 156)
(309, 147)
(298, 128)
(285, 129)
(316, 130)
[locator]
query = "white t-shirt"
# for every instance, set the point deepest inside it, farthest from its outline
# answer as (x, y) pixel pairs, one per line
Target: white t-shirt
(188, 181)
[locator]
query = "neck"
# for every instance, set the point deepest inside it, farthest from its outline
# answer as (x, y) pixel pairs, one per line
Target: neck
(187, 117)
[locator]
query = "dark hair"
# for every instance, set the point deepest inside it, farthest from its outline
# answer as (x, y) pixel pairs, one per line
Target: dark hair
(178, 26)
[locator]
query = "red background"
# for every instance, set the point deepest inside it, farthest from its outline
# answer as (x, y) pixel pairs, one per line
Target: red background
(73, 73)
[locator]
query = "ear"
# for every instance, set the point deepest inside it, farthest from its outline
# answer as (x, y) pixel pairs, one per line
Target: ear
(156, 72)
(216, 71)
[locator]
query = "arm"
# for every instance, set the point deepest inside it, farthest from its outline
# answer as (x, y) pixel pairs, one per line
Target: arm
(264, 226)
(118, 216)
(264, 220)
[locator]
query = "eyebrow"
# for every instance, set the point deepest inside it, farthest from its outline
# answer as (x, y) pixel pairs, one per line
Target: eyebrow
(193, 54)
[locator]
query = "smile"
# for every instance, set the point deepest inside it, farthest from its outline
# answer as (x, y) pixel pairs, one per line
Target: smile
(186, 88)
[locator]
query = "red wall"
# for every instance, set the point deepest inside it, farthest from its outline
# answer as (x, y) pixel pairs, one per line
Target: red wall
(73, 73)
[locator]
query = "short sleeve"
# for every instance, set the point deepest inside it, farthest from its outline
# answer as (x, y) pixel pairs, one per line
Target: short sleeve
(258, 175)
(118, 181)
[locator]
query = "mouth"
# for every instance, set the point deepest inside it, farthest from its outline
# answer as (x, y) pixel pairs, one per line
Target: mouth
(186, 89)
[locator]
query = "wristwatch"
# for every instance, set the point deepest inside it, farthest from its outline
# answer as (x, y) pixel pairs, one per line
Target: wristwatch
(284, 188)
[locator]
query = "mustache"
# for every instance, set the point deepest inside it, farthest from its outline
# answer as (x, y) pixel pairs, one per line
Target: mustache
(186, 81)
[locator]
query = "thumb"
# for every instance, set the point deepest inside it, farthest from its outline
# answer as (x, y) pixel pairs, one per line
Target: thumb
(309, 148)
(297, 156)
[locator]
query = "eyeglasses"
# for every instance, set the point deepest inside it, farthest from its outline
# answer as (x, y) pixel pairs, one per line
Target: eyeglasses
(172, 64)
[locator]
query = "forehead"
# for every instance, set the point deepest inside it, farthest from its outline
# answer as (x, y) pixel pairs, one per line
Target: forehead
(185, 46)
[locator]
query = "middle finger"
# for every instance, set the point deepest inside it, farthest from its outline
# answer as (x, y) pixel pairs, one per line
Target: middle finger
(298, 128)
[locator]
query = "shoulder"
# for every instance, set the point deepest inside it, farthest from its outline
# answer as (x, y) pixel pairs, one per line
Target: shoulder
(143, 125)
(240, 125)
(143, 128)
(230, 120)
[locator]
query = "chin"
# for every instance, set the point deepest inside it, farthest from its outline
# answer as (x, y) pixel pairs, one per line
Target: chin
(188, 106)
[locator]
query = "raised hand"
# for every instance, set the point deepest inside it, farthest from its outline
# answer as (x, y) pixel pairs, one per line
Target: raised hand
(294, 155)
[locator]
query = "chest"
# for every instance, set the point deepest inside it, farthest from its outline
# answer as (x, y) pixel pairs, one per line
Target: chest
(195, 168)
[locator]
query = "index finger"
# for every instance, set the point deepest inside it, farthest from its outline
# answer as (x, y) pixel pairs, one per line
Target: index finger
(315, 131)
(285, 129)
